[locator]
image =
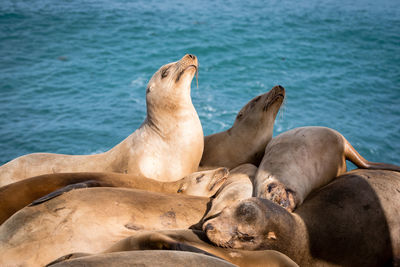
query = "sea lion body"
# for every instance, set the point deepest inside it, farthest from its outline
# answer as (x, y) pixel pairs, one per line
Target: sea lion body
(353, 221)
(167, 146)
(301, 160)
(150, 258)
(90, 220)
(245, 141)
(194, 241)
(15, 196)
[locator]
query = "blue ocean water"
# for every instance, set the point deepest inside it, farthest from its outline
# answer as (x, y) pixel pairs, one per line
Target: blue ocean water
(73, 73)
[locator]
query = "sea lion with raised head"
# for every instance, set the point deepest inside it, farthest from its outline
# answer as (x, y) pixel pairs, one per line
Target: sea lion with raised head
(15, 196)
(91, 220)
(193, 241)
(245, 141)
(148, 258)
(301, 160)
(166, 147)
(353, 221)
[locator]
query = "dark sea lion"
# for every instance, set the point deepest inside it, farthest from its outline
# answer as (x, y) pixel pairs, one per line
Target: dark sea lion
(15, 196)
(148, 258)
(301, 160)
(166, 147)
(245, 141)
(91, 220)
(194, 241)
(353, 221)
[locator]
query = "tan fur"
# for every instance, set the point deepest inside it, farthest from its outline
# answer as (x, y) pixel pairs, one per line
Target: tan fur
(166, 147)
(195, 241)
(91, 220)
(237, 187)
(353, 221)
(245, 141)
(147, 258)
(301, 160)
(15, 196)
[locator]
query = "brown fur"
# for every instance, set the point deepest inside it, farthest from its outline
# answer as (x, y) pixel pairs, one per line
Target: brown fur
(353, 221)
(245, 141)
(195, 241)
(147, 258)
(91, 220)
(15, 196)
(303, 159)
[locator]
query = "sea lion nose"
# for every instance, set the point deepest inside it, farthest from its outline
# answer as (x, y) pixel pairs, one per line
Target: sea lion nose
(192, 56)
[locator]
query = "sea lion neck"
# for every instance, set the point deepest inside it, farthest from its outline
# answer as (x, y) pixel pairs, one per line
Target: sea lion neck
(174, 111)
(284, 228)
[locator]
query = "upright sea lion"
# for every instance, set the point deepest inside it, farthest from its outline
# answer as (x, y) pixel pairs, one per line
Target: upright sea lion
(15, 196)
(91, 220)
(245, 141)
(194, 241)
(148, 258)
(300, 160)
(237, 187)
(166, 147)
(353, 221)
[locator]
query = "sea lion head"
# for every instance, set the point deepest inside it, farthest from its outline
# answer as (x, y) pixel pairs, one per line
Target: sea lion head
(280, 194)
(250, 224)
(169, 87)
(237, 226)
(204, 183)
(261, 111)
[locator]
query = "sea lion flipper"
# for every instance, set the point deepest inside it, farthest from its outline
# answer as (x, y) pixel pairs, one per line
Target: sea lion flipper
(352, 155)
(85, 184)
(68, 257)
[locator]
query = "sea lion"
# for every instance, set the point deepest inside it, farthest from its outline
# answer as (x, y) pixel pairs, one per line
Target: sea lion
(166, 147)
(353, 221)
(148, 258)
(237, 187)
(15, 196)
(193, 241)
(303, 159)
(245, 141)
(91, 220)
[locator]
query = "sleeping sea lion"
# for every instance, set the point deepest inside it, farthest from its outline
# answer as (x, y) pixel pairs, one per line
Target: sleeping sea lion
(301, 160)
(353, 221)
(15, 196)
(194, 241)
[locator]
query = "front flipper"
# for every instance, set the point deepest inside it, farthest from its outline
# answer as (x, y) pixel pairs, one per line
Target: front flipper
(68, 257)
(86, 184)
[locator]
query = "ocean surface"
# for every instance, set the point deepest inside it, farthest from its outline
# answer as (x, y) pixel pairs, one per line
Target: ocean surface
(73, 73)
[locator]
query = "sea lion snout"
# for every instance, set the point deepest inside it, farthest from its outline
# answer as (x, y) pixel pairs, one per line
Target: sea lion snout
(188, 60)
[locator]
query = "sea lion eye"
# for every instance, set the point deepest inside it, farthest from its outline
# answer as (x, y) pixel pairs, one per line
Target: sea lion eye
(240, 115)
(164, 73)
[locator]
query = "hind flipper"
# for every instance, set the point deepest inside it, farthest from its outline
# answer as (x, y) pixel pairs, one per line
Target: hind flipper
(352, 155)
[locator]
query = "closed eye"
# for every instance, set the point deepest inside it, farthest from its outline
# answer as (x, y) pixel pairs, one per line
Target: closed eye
(164, 73)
